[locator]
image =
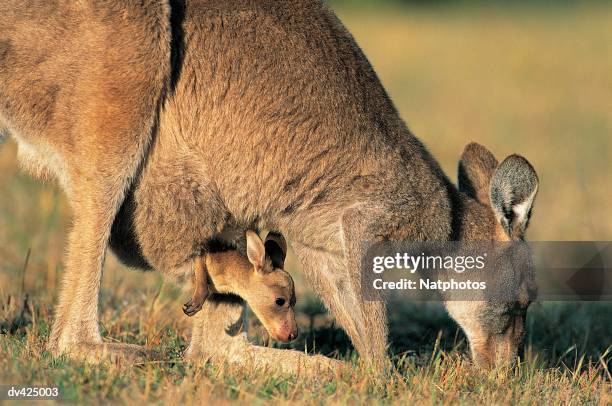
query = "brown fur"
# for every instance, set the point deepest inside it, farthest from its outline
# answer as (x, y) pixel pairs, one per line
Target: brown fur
(220, 116)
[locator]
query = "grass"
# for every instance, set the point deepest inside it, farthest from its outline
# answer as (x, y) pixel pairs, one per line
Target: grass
(532, 81)
(430, 375)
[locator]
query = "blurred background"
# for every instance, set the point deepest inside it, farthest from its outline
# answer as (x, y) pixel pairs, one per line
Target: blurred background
(533, 77)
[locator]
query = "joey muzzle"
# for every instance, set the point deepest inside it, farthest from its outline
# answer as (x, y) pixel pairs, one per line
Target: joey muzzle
(286, 332)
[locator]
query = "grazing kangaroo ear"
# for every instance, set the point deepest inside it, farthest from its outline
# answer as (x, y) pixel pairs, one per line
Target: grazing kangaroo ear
(276, 248)
(476, 168)
(256, 252)
(513, 190)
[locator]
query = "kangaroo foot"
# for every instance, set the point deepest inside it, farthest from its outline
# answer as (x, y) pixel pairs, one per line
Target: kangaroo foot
(201, 287)
(237, 351)
(113, 352)
(193, 306)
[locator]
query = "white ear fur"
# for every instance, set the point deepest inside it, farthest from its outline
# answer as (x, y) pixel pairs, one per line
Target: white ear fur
(521, 210)
(256, 251)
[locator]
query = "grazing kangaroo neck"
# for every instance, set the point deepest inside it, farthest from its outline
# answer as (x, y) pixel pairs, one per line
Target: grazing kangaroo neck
(229, 272)
(448, 215)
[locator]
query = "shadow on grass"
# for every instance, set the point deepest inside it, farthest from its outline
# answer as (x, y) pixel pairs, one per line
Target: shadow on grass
(413, 329)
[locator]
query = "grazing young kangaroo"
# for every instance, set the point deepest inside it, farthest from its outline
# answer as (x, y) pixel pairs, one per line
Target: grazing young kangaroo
(170, 123)
(260, 280)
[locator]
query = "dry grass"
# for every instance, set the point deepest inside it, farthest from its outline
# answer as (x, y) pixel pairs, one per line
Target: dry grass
(535, 83)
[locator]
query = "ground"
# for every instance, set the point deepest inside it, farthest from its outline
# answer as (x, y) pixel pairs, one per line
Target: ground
(531, 80)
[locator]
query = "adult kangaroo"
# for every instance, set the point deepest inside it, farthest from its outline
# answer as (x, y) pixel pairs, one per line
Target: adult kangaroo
(175, 123)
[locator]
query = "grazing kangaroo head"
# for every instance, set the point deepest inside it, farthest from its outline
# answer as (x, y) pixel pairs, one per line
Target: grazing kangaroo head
(497, 199)
(272, 296)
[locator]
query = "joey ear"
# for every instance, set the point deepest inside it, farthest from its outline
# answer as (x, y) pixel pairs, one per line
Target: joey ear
(476, 168)
(276, 248)
(256, 252)
(513, 190)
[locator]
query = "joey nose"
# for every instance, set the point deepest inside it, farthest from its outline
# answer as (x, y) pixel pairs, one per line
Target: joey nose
(286, 332)
(289, 335)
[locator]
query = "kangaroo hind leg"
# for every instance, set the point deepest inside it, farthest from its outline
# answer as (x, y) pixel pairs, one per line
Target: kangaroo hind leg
(114, 108)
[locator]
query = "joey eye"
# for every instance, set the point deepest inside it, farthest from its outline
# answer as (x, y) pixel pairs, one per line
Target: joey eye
(280, 301)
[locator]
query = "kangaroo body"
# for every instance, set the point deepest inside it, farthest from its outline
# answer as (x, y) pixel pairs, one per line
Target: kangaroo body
(176, 123)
